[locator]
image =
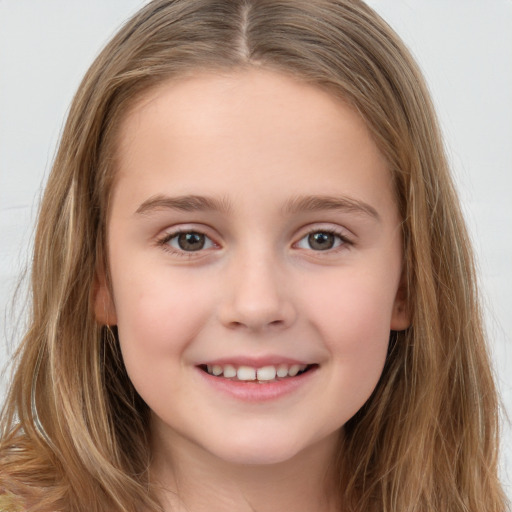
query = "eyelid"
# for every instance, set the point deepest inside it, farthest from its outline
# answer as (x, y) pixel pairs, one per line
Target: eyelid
(346, 237)
(163, 240)
(208, 241)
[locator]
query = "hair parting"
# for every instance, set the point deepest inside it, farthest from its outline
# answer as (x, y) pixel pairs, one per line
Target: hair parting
(74, 431)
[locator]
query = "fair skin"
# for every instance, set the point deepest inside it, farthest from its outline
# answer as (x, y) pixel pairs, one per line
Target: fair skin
(253, 227)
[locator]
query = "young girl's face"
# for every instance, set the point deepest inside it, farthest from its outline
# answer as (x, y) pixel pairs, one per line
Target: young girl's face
(253, 234)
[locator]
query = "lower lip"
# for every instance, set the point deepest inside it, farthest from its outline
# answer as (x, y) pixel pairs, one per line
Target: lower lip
(254, 391)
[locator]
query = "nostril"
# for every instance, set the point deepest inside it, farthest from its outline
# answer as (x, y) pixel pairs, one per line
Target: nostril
(256, 325)
(255, 306)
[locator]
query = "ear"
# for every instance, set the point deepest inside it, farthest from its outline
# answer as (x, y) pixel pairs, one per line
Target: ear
(104, 309)
(400, 318)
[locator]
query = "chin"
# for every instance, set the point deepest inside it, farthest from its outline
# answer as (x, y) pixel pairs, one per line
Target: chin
(257, 457)
(261, 451)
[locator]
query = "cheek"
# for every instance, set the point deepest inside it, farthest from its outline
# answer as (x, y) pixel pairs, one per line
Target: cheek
(354, 321)
(355, 303)
(159, 315)
(157, 321)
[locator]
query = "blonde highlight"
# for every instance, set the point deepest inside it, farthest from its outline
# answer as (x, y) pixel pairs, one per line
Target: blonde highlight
(427, 438)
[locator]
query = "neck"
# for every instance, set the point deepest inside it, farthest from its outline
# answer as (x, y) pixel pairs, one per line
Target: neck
(192, 480)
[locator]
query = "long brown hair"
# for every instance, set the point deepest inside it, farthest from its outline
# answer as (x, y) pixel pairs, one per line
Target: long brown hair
(74, 430)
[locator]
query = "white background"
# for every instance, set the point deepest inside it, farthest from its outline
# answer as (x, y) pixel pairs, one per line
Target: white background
(463, 46)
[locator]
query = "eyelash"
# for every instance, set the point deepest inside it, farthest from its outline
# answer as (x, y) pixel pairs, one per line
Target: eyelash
(165, 245)
(343, 241)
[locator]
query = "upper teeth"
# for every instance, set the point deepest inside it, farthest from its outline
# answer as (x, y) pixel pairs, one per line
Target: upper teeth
(265, 373)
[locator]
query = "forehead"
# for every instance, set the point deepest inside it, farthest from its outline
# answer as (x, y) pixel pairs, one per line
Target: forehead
(255, 98)
(221, 128)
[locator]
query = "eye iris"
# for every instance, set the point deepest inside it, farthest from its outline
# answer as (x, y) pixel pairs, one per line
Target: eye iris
(191, 241)
(321, 241)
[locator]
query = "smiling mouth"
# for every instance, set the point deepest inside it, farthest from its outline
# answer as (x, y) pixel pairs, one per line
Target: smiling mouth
(263, 375)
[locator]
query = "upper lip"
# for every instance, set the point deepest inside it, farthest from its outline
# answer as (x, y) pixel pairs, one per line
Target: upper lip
(254, 362)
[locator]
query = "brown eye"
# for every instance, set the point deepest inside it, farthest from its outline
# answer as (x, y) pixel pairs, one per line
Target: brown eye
(189, 241)
(321, 241)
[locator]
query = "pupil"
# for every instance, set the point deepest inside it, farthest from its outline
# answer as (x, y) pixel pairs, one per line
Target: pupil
(191, 241)
(321, 241)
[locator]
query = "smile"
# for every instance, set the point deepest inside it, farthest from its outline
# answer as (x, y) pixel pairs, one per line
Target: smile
(256, 380)
(264, 374)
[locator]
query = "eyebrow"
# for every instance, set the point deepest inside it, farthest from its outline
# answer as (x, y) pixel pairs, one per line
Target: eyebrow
(326, 202)
(313, 203)
(187, 203)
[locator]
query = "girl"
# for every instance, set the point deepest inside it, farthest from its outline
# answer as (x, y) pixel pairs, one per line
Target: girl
(252, 285)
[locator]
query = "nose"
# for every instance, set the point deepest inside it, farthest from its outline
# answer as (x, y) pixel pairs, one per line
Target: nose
(256, 296)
